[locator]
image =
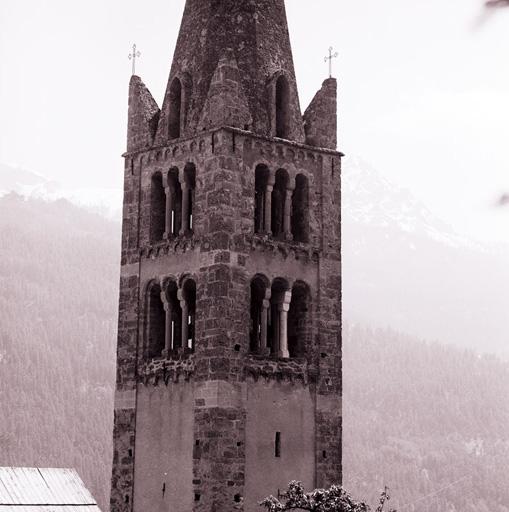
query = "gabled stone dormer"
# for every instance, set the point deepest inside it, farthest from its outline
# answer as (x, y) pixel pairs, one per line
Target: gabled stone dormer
(226, 104)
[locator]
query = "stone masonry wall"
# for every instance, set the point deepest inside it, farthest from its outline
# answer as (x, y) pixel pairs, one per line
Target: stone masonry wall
(329, 389)
(125, 397)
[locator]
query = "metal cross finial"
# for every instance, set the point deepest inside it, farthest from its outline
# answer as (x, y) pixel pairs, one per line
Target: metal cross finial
(329, 58)
(133, 56)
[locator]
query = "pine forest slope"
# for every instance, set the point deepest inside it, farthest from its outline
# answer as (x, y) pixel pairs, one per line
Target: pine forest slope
(58, 302)
(428, 420)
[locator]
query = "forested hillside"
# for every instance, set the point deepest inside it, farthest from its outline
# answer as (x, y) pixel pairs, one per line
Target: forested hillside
(58, 300)
(420, 418)
(427, 420)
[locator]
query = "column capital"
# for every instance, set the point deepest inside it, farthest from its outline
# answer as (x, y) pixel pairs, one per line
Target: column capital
(287, 298)
(283, 307)
(164, 300)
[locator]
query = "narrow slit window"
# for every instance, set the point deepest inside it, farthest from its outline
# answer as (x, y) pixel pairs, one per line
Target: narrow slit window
(277, 445)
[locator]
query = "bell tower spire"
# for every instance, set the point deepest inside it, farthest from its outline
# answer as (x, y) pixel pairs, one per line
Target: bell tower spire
(229, 333)
(254, 35)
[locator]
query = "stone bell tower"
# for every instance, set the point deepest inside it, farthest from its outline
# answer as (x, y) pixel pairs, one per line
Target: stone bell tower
(229, 340)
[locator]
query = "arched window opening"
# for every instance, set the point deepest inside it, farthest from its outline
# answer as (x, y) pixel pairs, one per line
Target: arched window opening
(156, 322)
(174, 206)
(174, 318)
(277, 336)
(298, 320)
(282, 107)
(189, 314)
(258, 324)
(175, 109)
(261, 182)
(278, 203)
(300, 209)
(157, 209)
(188, 198)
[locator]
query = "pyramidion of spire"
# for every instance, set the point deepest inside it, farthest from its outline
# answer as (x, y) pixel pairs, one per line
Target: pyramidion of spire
(226, 104)
(218, 39)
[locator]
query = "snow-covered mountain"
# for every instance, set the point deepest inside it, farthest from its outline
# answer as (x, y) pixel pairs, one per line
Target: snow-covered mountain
(405, 268)
(369, 198)
(105, 201)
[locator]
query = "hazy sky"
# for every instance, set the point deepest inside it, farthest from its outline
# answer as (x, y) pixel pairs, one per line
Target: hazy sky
(424, 90)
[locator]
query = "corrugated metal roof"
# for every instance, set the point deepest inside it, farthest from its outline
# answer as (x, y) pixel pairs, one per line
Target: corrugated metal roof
(49, 508)
(44, 490)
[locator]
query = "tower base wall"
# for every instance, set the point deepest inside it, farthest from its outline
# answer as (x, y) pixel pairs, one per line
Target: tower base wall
(285, 410)
(164, 448)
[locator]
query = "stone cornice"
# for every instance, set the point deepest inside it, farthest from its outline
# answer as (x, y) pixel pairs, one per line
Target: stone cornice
(189, 144)
(263, 243)
(163, 371)
(291, 370)
(166, 370)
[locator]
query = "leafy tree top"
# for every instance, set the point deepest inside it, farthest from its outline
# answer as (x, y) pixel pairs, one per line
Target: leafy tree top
(334, 499)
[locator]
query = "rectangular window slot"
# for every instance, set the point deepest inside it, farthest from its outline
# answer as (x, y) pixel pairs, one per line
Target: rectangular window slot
(277, 445)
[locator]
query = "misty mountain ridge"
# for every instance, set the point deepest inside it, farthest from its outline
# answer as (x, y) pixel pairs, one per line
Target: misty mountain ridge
(404, 268)
(368, 198)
